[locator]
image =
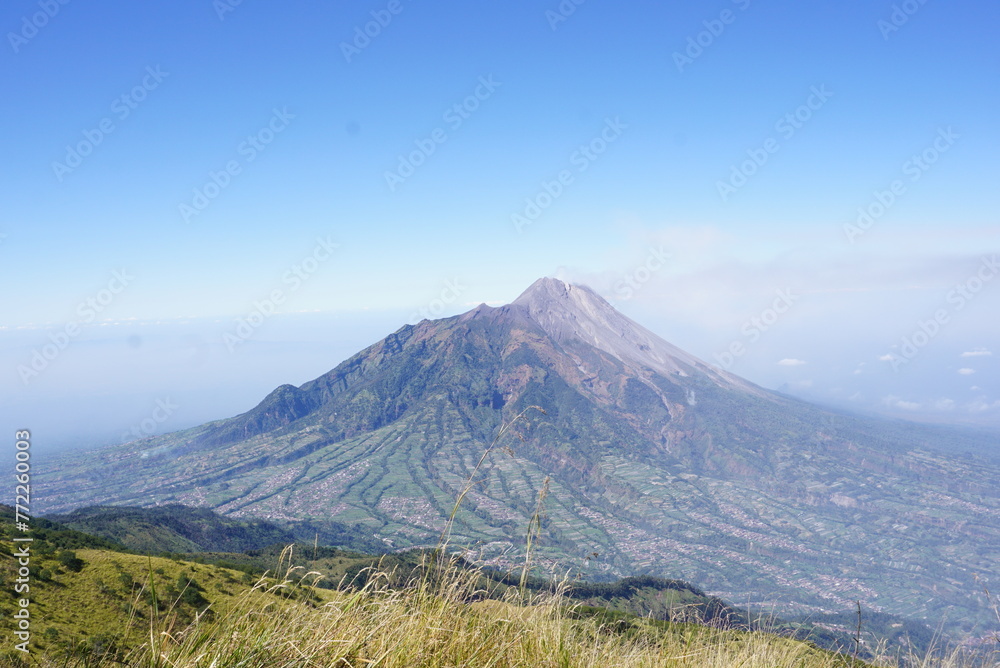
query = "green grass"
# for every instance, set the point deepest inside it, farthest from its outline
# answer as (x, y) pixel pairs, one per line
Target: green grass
(441, 619)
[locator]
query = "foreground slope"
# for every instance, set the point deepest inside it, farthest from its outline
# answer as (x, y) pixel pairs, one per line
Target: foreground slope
(160, 530)
(652, 461)
(94, 604)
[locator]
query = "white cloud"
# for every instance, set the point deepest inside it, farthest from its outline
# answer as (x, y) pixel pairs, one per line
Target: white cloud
(896, 402)
(983, 405)
(789, 361)
(967, 372)
(944, 404)
(978, 352)
(886, 358)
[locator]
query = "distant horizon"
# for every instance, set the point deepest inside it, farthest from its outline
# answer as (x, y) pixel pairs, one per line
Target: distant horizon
(156, 420)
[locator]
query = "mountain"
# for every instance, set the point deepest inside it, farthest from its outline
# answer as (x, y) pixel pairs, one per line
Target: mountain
(647, 461)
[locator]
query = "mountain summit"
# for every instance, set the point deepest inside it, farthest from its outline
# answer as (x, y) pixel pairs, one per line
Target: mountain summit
(575, 314)
(653, 461)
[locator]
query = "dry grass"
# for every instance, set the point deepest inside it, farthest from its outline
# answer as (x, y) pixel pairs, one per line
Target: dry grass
(442, 620)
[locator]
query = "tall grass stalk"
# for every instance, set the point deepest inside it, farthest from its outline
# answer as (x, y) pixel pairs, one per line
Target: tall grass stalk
(472, 480)
(447, 625)
(534, 531)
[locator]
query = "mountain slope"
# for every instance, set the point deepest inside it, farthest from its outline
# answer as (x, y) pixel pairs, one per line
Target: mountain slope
(654, 460)
(175, 528)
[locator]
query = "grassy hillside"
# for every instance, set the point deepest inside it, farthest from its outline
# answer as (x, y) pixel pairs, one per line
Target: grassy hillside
(174, 528)
(102, 611)
(182, 529)
(100, 602)
(96, 604)
(646, 597)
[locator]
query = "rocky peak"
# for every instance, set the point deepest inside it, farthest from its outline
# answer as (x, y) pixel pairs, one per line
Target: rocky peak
(568, 312)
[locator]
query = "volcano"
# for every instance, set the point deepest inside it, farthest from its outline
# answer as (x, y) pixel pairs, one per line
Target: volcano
(652, 460)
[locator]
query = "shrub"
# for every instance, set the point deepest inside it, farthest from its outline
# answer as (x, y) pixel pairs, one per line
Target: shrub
(70, 561)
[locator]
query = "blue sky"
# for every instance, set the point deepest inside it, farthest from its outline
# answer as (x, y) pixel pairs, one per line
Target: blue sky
(279, 138)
